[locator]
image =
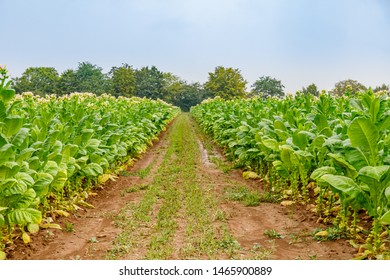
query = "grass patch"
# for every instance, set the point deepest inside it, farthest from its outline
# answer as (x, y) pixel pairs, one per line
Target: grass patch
(243, 194)
(260, 252)
(221, 164)
(142, 173)
(69, 227)
(328, 234)
(135, 188)
(272, 233)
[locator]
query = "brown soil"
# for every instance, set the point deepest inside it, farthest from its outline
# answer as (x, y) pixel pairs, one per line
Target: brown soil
(95, 229)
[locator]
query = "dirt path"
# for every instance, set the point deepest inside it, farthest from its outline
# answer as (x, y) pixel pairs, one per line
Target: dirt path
(178, 202)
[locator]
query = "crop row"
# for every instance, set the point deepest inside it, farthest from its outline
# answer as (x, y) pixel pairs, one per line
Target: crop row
(333, 149)
(53, 150)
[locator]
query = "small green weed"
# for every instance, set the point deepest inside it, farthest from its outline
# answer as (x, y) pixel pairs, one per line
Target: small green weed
(69, 227)
(241, 193)
(271, 233)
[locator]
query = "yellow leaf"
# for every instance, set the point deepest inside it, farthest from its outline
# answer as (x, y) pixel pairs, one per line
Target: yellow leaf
(323, 233)
(26, 238)
(3, 256)
(85, 204)
(288, 192)
(55, 226)
(62, 213)
(33, 228)
(250, 175)
(287, 203)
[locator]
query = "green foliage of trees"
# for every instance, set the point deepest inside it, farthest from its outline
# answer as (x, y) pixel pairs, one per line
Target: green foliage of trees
(347, 87)
(226, 83)
(267, 86)
(189, 95)
(383, 89)
(311, 89)
(123, 80)
(40, 80)
(67, 82)
(150, 82)
(90, 78)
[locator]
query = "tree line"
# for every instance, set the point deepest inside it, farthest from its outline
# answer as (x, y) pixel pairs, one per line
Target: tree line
(150, 82)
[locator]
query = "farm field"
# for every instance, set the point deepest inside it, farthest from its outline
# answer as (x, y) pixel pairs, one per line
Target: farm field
(183, 200)
(85, 176)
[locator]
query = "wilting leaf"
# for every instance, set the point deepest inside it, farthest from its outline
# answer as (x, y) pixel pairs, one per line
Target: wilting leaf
(33, 228)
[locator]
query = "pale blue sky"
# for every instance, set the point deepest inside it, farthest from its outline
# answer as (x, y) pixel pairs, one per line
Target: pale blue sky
(297, 41)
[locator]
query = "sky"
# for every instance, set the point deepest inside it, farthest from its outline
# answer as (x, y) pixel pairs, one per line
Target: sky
(296, 41)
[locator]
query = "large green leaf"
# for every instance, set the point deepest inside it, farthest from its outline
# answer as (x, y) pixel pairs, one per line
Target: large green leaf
(23, 200)
(86, 134)
(3, 139)
(92, 170)
(319, 172)
(92, 145)
(2, 222)
(375, 172)
(3, 111)
(6, 153)
(386, 218)
(321, 122)
(286, 153)
(12, 125)
(8, 169)
(60, 180)
(24, 178)
(51, 167)
(6, 95)
(356, 157)
(42, 182)
(24, 216)
(24, 154)
(280, 168)
(10, 186)
(69, 151)
(341, 183)
(300, 139)
(349, 170)
(365, 136)
(271, 144)
(387, 193)
(19, 138)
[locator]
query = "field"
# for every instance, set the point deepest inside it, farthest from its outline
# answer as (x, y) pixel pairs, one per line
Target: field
(183, 200)
(97, 177)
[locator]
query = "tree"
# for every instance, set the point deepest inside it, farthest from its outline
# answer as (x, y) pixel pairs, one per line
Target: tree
(267, 86)
(123, 80)
(311, 89)
(383, 89)
(189, 95)
(173, 85)
(68, 82)
(39, 80)
(227, 83)
(90, 78)
(347, 87)
(150, 83)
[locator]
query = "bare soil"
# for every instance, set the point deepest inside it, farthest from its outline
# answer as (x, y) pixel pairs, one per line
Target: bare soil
(95, 229)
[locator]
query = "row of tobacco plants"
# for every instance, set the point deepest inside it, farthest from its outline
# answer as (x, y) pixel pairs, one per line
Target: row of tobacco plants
(53, 151)
(335, 151)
